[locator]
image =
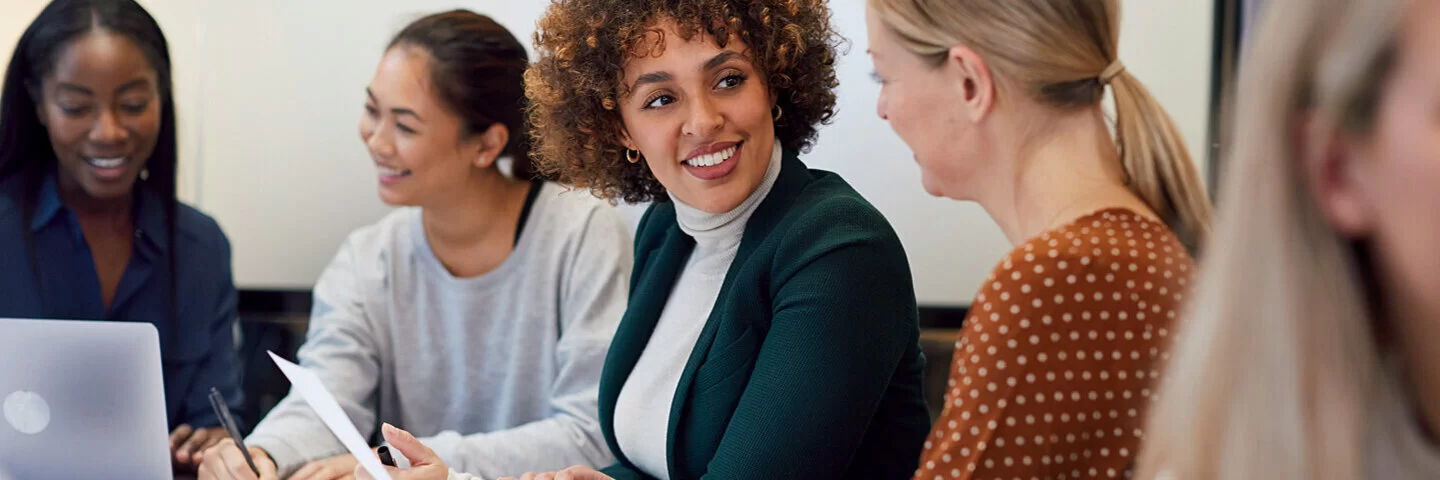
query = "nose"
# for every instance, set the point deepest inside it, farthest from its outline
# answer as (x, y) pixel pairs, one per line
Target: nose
(107, 129)
(377, 140)
(880, 107)
(704, 117)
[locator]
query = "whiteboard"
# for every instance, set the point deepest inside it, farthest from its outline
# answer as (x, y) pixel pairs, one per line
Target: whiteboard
(270, 92)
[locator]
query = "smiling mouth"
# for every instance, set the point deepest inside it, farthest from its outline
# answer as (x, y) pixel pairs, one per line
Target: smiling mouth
(713, 159)
(106, 162)
(391, 172)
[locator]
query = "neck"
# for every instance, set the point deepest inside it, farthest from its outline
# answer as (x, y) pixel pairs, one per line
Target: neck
(484, 210)
(88, 208)
(1416, 329)
(1061, 170)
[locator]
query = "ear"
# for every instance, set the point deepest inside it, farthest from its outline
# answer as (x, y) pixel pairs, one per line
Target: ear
(491, 144)
(973, 81)
(625, 139)
(1332, 162)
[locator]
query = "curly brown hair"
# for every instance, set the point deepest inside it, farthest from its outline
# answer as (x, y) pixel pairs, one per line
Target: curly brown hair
(575, 85)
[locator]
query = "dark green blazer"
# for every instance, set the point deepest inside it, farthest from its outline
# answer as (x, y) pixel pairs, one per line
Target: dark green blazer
(809, 365)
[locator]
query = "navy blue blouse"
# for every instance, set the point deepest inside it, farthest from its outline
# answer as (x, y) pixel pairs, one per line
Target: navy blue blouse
(197, 346)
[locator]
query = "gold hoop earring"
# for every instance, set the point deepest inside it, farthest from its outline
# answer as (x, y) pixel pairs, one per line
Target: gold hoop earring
(779, 112)
(632, 156)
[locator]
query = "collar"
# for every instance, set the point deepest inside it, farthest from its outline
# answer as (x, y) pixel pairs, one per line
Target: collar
(705, 226)
(149, 211)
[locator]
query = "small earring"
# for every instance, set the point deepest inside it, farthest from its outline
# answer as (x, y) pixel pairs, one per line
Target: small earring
(632, 156)
(144, 174)
(778, 112)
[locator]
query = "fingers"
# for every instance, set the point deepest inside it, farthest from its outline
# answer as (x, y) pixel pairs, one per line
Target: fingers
(223, 461)
(328, 469)
(215, 436)
(263, 462)
(361, 474)
(581, 473)
(181, 433)
(419, 454)
(226, 463)
(198, 438)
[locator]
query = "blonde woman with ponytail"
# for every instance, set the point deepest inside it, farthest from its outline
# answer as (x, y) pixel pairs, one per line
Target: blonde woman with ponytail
(1312, 346)
(1000, 101)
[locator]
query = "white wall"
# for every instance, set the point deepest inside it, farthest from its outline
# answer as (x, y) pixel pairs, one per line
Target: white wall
(270, 91)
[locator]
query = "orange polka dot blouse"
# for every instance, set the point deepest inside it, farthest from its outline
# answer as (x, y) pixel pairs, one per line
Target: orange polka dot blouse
(1061, 353)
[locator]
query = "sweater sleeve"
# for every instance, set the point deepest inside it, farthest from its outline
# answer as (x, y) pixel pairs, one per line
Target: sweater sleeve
(594, 290)
(841, 322)
(340, 348)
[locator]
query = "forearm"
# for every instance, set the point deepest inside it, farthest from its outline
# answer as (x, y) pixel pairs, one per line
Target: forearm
(547, 445)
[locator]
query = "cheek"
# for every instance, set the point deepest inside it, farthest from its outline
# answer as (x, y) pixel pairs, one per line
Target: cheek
(656, 137)
(66, 134)
(905, 117)
(1405, 189)
(147, 128)
(366, 128)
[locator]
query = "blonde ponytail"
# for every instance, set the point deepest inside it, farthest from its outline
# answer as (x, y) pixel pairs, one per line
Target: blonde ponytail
(1063, 54)
(1157, 165)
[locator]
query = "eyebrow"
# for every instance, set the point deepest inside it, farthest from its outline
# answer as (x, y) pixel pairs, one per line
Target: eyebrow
(73, 88)
(722, 58)
(395, 110)
(662, 77)
(652, 77)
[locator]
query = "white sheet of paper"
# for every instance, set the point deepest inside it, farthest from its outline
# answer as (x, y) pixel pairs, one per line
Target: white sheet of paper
(330, 412)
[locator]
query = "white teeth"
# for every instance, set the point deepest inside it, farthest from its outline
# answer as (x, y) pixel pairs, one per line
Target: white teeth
(390, 172)
(106, 162)
(712, 159)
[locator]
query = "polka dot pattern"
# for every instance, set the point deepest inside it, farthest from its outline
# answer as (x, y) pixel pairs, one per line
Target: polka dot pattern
(1055, 368)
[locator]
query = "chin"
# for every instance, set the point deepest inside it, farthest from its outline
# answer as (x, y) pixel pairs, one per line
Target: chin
(109, 191)
(395, 199)
(931, 185)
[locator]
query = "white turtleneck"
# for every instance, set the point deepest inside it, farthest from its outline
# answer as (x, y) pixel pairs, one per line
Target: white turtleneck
(642, 413)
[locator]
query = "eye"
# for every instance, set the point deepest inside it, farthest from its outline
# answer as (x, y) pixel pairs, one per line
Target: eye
(877, 78)
(657, 101)
(135, 108)
(404, 129)
(371, 111)
(731, 81)
(74, 111)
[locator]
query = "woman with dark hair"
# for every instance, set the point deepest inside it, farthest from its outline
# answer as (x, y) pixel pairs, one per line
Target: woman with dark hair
(772, 329)
(478, 315)
(90, 228)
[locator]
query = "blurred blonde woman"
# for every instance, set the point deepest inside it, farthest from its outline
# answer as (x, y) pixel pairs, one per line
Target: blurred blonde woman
(1000, 101)
(1312, 347)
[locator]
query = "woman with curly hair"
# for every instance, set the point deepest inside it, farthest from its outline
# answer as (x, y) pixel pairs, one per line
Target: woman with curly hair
(771, 330)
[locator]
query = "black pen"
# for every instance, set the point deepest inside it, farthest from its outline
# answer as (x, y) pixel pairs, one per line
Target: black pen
(217, 401)
(385, 458)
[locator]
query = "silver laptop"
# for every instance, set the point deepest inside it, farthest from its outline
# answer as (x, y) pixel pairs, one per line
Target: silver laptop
(81, 400)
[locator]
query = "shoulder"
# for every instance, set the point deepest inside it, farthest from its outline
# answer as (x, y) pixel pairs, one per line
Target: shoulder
(658, 219)
(828, 214)
(393, 232)
(200, 230)
(10, 201)
(572, 212)
(1097, 260)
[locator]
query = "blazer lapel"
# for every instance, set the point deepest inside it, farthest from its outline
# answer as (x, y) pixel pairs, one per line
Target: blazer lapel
(792, 180)
(647, 301)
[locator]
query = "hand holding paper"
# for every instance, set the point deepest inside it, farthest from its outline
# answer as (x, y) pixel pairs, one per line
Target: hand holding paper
(324, 404)
(424, 464)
